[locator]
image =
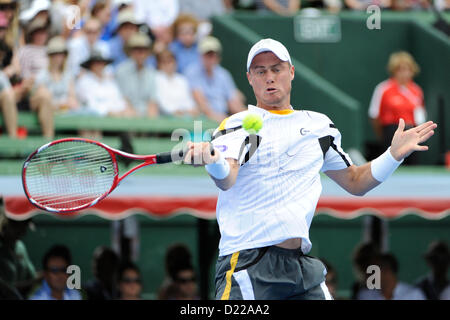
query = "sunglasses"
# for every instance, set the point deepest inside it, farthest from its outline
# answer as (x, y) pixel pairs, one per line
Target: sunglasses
(131, 280)
(57, 270)
(186, 280)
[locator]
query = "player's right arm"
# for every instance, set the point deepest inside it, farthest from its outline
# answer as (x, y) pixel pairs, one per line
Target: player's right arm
(222, 171)
(230, 180)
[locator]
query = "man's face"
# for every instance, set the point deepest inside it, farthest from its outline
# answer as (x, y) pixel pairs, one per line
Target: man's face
(186, 34)
(40, 37)
(210, 59)
(97, 67)
(271, 80)
(92, 31)
(140, 55)
(186, 283)
(130, 286)
(127, 30)
(55, 273)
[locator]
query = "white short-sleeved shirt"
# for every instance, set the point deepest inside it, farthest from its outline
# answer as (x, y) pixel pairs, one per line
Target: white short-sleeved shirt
(278, 184)
(173, 93)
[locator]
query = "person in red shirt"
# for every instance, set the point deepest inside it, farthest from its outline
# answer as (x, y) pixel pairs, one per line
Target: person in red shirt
(397, 97)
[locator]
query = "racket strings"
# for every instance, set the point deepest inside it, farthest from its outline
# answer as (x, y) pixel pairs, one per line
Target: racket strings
(61, 156)
(69, 175)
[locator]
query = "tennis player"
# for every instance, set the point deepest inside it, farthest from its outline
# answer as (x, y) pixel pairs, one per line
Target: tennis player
(270, 184)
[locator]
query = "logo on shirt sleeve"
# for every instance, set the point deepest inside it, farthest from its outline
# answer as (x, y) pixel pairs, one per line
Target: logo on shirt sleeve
(221, 147)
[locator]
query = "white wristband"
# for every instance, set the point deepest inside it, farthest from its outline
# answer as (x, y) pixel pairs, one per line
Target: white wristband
(383, 166)
(219, 169)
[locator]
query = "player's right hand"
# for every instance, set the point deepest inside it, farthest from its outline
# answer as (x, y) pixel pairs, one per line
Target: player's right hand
(199, 154)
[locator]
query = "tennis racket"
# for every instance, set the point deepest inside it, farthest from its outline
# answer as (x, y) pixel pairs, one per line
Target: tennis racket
(72, 174)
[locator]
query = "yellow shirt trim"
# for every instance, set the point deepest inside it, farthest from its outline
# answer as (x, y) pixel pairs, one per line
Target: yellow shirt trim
(222, 124)
(282, 112)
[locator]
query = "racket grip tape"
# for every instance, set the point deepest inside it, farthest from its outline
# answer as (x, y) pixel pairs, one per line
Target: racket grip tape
(167, 157)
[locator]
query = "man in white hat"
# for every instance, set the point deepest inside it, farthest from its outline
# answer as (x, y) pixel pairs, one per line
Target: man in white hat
(80, 47)
(136, 79)
(127, 26)
(270, 184)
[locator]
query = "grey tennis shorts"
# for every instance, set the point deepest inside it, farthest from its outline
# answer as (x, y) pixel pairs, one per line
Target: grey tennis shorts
(270, 273)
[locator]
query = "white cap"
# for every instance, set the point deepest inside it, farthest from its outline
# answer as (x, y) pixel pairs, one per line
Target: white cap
(36, 7)
(268, 45)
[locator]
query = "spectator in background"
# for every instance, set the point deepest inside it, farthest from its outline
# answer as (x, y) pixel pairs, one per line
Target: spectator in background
(117, 7)
(363, 4)
(97, 91)
(127, 26)
(10, 65)
(130, 282)
(9, 9)
(33, 56)
(442, 5)
(54, 88)
(135, 79)
(17, 272)
(435, 284)
(8, 105)
(333, 6)
(181, 281)
(105, 269)
(54, 286)
(81, 46)
(395, 98)
(203, 14)
(39, 9)
(280, 7)
(363, 256)
(185, 46)
(159, 15)
(213, 88)
(33, 60)
(173, 95)
(390, 287)
(101, 10)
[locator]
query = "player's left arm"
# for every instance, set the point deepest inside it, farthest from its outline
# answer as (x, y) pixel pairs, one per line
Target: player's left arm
(358, 180)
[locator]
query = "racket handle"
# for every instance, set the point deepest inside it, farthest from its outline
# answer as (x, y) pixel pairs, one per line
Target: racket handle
(167, 157)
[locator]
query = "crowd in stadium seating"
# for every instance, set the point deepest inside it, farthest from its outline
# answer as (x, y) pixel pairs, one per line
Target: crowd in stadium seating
(123, 58)
(100, 56)
(116, 276)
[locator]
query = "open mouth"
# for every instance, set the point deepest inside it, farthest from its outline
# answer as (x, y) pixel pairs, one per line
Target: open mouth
(271, 90)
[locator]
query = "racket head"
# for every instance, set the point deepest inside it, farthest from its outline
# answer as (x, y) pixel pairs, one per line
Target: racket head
(69, 175)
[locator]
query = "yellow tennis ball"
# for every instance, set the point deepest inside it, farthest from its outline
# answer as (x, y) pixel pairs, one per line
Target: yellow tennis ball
(252, 123)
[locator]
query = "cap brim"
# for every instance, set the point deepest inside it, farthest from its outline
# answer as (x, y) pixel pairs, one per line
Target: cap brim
(261, 50)
(88, 63)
